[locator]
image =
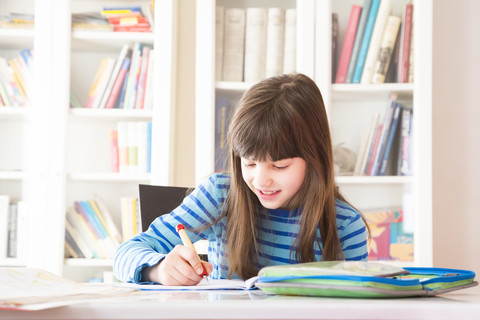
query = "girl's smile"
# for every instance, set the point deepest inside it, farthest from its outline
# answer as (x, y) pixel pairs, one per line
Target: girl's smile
(274, 182)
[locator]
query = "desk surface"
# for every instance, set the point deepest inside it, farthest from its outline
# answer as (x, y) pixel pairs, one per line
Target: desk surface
(462, 304)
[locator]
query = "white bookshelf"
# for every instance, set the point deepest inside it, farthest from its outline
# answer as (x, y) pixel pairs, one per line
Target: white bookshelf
(16, 123)
(350, 107)
(70, 147)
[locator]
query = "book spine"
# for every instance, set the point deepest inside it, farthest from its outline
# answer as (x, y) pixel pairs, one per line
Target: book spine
(140, 98)
(148, 95)
(386, 50)
(114, 150)
(383, 137)
(120, 103)
(383, 13)
(255, 44)
(290, 42)
(391, 136)
(358, 40)
(112, 98)
(219, 40)
(374, 149)
(93, 87)
(102, 84)
(362, 53)
(407, 36)
(115, 70)
(275, 38)
(404, 163)
(369, 147)
(4, 210)
(233, 54)
(347, 46)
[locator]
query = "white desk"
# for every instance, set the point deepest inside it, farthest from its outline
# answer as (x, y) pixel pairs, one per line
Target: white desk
(462, 304)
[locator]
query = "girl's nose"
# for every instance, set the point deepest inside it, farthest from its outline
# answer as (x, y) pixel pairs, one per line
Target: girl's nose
(262, 178)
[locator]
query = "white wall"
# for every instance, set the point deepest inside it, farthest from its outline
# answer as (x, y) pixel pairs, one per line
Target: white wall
(456, 134)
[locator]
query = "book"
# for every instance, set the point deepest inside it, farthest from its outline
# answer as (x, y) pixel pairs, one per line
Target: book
(369, 146)
(392, 134)
(233, 52)
(290, 42)
(94, 86)
(142, 79)
(362, 22)
(374, 149)
(78, 242)
(335, 28)
(275, 38)
(135, 62)
(75, 251)
(148, 97)
(116, 88)
(405, 152)
(112, 228)
(383, 13)
(79, 224)
(120, 103)
(362, 53)
(113, 76)
(4, 210)
(113, 134)
(348, 42)
(103, 82)
(406, 37)
(36, 289)
(387, 122)
(219, 40)
(386, 49)
(255, 44)
(211, 284)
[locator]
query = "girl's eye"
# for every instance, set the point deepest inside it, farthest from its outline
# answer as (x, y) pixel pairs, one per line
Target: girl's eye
(248, 165)
(280, 167)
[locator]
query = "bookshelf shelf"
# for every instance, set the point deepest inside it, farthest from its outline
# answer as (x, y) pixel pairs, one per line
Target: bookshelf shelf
(109, 177)
(88, 262)
(16, 38)
(374, 180)
(13, 175)
(15, 112)
(111, 114)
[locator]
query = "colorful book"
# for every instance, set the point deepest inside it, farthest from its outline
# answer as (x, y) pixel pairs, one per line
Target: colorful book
(406, 37)
(405, 152)
(387, 121)
(374, 47)
(142, 79)
(116, 88)
(390, 139)
(358, 39)
(348, 42)
(114, 74)
(362, 53)
(386, 50)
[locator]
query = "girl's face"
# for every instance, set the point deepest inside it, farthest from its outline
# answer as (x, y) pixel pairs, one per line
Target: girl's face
(274, 182)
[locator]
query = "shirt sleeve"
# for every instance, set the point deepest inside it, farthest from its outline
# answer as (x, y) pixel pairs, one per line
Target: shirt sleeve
(202, 207)
(352, 234)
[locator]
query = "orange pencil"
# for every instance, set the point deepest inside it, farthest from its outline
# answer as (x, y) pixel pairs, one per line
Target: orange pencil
(186, 242)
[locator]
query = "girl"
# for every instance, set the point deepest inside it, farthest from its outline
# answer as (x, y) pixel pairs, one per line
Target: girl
(278, 205)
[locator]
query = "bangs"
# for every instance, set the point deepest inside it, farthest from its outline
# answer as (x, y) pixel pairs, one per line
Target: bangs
(269, 135)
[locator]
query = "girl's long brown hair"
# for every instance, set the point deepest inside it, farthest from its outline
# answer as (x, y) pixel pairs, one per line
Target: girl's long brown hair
(278, 118)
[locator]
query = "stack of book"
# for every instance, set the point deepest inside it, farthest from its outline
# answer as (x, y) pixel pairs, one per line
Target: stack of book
(131, 219)
(16, 77)
(254, 43)
(90, 231)
(118, 19)
(386, 149)
(377, 46)
(13, 227)
(17, 20)
(124, 82)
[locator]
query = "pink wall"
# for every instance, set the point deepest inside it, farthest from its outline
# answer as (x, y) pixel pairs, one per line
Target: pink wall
(456, 134)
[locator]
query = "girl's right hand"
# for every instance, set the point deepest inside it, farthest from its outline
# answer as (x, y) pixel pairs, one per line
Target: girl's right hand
(180, 267)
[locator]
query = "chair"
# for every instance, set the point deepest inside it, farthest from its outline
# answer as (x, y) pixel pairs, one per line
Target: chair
(158, 200)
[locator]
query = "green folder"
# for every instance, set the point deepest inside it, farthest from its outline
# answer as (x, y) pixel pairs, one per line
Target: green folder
(359, 279)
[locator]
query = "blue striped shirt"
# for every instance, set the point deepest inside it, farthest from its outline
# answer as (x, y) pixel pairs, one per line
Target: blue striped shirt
(279, 229)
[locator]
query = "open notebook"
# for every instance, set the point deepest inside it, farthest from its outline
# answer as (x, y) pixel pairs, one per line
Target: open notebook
(212, 284)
